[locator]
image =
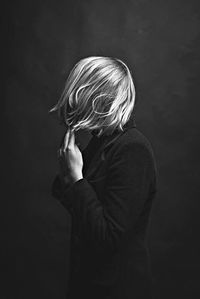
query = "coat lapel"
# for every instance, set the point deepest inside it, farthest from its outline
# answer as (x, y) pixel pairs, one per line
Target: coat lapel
(94, 153)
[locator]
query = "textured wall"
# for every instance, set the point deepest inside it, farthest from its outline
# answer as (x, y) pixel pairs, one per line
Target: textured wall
(160, 41)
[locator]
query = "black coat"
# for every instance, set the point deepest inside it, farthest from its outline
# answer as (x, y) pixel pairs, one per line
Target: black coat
(110, 210)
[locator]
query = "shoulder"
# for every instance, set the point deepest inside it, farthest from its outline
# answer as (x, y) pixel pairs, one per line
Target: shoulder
(133, 140)
(133, 148)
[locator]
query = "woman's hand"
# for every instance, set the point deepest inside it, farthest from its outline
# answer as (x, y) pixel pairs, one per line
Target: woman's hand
(70, 159)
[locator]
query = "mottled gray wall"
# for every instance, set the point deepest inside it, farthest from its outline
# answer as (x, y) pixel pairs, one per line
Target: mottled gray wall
(160, 41)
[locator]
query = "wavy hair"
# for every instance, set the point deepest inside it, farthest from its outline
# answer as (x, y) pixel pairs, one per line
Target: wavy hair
(99, 94)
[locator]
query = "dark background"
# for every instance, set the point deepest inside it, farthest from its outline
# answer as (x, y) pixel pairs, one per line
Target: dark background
(41, 41)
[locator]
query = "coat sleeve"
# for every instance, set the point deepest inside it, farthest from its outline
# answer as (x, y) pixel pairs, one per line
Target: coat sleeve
(103, 223)
(62, 192)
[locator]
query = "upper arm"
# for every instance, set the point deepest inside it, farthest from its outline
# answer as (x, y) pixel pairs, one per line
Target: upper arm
(127, 183)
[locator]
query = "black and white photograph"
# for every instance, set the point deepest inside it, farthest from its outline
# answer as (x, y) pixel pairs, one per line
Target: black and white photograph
(100, 151)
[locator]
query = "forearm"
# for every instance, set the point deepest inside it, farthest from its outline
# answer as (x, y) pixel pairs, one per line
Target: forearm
(92, 217)
(61, 190)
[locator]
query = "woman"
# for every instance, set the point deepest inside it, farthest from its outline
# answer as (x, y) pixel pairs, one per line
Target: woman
(109, 187)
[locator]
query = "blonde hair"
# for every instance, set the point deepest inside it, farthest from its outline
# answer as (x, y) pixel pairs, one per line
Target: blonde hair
(99, 94)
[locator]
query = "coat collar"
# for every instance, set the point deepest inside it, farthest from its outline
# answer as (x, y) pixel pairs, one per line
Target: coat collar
(115, 135)
(130, 124)
(102, 143)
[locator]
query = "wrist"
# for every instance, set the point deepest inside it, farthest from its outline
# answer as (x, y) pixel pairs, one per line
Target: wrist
(77, 177)
(71, 179)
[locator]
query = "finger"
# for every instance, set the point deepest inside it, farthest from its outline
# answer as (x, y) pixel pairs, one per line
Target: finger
(71, 142)
(66, 140)
(60, 155)
(62, 140)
